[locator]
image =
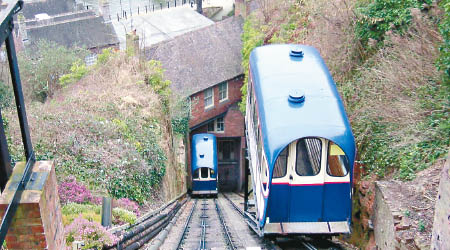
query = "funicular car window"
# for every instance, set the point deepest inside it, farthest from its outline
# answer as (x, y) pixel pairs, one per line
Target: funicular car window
(338, 164)
(309, 152)
(196, 173)
(281, 164)
(204, 172)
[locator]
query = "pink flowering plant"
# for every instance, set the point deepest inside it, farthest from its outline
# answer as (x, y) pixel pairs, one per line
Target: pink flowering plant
(127, 204)
(92, 234)
(72, 191)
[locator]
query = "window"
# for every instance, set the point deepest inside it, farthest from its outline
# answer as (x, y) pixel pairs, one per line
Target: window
(223, 91)
(281, 163)
(309, 152)
(195, 176)
(211, 126)
(226, 151)
(91, 59)
(218, 125)
(209, 98)
(338, 164)
(204, 173)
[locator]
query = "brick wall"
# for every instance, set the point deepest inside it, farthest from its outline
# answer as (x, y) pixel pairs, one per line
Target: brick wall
(199, 114)
(37, 223)
(234, 128)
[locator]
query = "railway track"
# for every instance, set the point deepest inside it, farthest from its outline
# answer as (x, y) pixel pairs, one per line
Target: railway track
(288, 243)
(204, 226)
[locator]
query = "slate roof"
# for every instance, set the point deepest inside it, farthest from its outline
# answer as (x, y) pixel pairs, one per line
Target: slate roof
(202, 58)
(51, 7)
(88, 32)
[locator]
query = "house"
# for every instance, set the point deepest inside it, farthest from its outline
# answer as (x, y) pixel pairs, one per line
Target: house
(80, 28)
(205, 66)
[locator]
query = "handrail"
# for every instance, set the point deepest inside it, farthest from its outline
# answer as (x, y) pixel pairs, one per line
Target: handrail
(6, 28)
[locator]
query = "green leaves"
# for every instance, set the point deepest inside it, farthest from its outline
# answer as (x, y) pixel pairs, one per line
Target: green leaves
(377, 17)
(42, 66)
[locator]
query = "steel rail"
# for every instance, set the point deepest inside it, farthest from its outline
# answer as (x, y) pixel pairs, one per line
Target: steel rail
(234, 205)
(202, 243)
(186, 226)
(224, 226)
(308, 245)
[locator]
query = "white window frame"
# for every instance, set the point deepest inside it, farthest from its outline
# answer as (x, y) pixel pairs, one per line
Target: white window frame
(212, 98)
(217, 125)
(215, 122)
(226, 92)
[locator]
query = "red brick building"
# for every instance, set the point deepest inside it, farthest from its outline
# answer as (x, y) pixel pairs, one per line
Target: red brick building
(205, 66)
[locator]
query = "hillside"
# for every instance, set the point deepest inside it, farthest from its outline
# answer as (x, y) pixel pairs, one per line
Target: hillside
(111, 131)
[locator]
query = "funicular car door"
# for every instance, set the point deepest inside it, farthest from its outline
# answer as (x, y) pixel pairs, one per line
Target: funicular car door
(337, 187)
(306, 180)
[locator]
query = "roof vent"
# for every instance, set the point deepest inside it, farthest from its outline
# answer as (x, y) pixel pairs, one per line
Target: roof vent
(202, 156)
(296, 52)
(296, 96)
(205, 138)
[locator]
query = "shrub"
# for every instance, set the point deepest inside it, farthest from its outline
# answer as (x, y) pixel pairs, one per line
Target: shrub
(92, 234)
(122, 215)
(6, 95)
(444, 27)
(77, 71)
(105, 56)
(72, 191)
(127, 204)
(71, 211)
(43, 65)
(252, 37)
(379, 16)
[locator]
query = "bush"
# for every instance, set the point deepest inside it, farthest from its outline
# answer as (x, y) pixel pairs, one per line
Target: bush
(72, 191)
(43, 65)
(127, 204)
(138, 184)
(77, 71)
(6, 95)
(378, 16)
(252, 37)
(122, 216)
(92, 234)
(444, 27)
(71, 211)
(104, 57)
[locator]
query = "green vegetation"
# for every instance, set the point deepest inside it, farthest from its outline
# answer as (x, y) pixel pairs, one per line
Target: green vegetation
(42, 66)
(123, 215)
(77, 71)
(108, 130)
(137, 185)
(379, 16)
(6, 95)
(443, 62)
(71, 211)
(252, 37)
(421, 226)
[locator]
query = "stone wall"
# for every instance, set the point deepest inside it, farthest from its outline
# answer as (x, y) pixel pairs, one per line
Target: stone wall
(441, 227)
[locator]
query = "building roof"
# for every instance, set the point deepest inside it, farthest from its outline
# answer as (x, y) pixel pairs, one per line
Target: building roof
(159, 25)
(88, 32)
(51, 7)
(278, 78)
(203, 58)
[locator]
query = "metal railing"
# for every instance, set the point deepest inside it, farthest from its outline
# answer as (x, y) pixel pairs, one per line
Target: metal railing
(6, 36)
